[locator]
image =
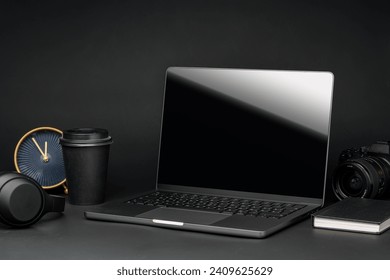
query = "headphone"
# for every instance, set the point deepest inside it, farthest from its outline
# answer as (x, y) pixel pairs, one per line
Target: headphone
(23, 201)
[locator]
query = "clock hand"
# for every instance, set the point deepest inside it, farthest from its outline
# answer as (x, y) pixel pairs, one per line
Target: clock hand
(39, 148)
(46, 149)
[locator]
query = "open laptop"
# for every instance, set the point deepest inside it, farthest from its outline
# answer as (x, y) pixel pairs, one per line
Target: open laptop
(242, 152)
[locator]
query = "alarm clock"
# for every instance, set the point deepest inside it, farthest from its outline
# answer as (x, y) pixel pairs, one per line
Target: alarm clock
(38, 155)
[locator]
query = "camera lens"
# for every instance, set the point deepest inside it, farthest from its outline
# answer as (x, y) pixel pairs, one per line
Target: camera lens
(365, 177)
(352, 182)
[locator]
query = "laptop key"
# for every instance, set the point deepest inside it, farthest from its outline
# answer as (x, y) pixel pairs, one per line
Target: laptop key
(197, 209)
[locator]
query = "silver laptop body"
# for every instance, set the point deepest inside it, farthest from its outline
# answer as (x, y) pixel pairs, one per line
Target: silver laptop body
(236, 138)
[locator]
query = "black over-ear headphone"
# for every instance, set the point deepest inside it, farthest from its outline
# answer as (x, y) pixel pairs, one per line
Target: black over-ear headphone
(23, 201)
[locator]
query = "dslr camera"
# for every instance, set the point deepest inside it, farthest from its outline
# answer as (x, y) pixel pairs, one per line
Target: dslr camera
(363, 172)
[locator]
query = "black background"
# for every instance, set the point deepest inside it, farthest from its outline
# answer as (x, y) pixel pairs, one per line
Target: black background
(102, 64)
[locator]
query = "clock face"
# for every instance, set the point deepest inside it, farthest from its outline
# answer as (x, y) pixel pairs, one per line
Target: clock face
(39, 156)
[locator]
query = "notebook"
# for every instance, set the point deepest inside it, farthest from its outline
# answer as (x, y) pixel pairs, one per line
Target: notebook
(355, 214)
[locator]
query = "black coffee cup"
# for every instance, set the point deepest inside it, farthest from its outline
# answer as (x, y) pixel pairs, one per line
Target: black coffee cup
(86, 152)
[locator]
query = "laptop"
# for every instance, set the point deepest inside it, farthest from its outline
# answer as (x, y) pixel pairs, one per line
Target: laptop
(243, 152)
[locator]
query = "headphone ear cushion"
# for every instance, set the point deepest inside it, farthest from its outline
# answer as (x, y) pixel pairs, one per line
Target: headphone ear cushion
(21, 202)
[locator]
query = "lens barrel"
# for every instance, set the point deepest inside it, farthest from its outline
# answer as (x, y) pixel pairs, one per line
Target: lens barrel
(366, 177)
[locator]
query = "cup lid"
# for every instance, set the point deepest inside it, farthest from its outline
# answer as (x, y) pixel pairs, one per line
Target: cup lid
(92, 136)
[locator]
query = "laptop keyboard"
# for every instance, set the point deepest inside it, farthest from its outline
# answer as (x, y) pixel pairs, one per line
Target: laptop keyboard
(219, 204)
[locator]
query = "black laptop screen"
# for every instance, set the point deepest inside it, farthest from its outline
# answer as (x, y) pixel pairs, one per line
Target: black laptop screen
(256, 131)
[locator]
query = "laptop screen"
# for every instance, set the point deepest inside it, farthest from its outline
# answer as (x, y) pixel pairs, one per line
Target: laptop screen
(261, 131)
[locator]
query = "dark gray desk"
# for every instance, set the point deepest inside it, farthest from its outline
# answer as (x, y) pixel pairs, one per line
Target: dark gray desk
(71, 236)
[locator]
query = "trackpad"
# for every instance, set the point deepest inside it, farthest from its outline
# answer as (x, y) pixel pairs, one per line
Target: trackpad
(183, 216)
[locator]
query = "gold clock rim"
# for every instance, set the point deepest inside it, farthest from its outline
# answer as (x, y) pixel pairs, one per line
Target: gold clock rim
(20, 142)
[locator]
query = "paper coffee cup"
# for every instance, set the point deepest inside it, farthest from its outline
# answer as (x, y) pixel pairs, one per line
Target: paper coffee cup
(86, 153)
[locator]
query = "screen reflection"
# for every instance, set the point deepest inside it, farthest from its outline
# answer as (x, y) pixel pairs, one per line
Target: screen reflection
(260, 131)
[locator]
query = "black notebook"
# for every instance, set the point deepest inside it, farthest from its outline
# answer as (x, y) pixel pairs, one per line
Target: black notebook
(355, 214)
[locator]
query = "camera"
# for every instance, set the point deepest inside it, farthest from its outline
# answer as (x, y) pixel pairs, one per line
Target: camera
(363, 172)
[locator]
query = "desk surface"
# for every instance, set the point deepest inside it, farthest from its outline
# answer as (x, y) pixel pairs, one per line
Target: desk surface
(71, 236)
